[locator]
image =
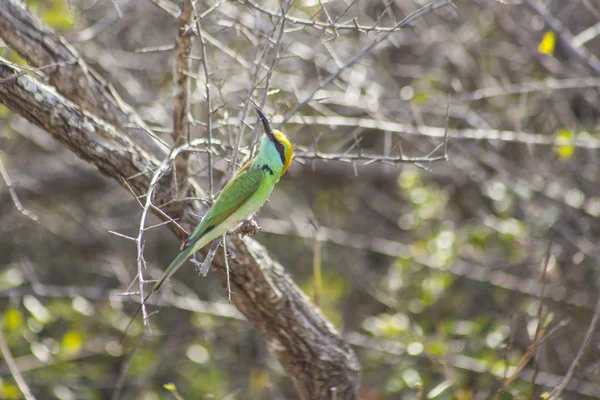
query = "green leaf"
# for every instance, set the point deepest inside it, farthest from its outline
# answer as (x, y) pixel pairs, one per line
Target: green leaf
(60, 16)
(72, 342)
(9, 391)
(13, 318)
(173, 389)
(565, 148)
(547, 44)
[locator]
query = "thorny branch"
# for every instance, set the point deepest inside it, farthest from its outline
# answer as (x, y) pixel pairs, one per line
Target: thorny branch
(209, 111)
(296, 332)
(76, 80)
(160, 171)
(276, 57)
(490, 170)
(365, 50)
(259, 57)
(330, 27)
(585, 142)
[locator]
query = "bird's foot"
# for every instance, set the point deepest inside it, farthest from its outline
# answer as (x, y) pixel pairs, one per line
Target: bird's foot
(248, 227)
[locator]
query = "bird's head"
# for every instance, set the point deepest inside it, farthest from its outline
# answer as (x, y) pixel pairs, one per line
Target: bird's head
(277, 140)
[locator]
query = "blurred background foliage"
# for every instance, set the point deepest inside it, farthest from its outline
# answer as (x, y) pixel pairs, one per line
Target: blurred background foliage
(432, 271)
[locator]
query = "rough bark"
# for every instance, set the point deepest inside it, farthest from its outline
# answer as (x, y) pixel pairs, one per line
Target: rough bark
(321, 364)
(67, 71)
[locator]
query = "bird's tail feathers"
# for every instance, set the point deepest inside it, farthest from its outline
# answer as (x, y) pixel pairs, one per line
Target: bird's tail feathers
(174, 266)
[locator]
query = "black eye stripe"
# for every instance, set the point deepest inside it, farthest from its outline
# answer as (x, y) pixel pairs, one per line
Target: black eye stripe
(281, 151)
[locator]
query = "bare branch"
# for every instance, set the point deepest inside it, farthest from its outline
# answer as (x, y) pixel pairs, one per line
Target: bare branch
(566, 37)
(14, 369)
(308, 346)
(430, 131)
(555, 394)
(276, 57)
(209, 111)
(14, 196)
(366, 49)
(305, 154)
(547, 85)
(252, 84)
(75, 80)
(181, 89)
(330, 27)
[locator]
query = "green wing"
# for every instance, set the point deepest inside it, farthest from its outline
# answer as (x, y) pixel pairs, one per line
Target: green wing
(239, 189)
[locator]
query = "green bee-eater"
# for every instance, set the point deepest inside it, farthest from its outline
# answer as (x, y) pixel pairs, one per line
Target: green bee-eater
(245, 193)
(243, 196)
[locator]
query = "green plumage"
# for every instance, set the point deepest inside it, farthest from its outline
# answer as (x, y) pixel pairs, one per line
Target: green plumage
(234, 194)
(240, 198)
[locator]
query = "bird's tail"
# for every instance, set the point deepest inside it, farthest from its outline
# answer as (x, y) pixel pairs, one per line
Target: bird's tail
(174, 266)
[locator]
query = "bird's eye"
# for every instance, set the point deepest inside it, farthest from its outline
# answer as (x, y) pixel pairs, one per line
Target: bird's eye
(279, 146)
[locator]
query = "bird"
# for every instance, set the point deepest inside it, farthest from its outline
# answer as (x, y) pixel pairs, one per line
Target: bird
(241, 198)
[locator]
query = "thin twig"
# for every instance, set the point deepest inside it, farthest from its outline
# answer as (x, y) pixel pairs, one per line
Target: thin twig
(431, 131)
(555, 394)
(181, 88)
(540, 311)
(12, 366)
(204, 266)
(14, 196)
(25, 70)
(566, 37)
(160, 171)
(303, 154)
(446, 129)
(547, 85)
(116, 395)
(327, 27)
(226, 267)
(208, 107)
(117, 8)
(158, 174)
(251, 87)
(166, 6)
(523, 361)
(271, 69)
(366, 49)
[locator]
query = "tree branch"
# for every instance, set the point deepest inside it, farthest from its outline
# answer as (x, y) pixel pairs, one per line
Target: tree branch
(14, 369)
(68, 72)
(181, 96)
(309, 348)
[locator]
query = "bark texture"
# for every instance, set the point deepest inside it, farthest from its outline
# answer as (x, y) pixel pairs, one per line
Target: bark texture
(321, 364)
(67, 71)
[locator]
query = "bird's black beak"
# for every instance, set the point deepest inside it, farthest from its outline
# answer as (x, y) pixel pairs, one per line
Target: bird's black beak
(267, 125)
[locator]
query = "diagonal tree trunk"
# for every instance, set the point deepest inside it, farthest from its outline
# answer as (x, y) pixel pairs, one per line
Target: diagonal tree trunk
(321, 364)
